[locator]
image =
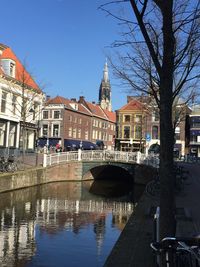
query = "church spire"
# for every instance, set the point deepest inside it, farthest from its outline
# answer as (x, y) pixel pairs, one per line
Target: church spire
(105, 72)
(105, 90)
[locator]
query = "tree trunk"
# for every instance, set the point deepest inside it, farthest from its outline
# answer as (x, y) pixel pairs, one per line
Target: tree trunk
(167, 198)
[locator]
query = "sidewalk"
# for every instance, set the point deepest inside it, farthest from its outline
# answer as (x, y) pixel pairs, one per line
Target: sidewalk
(132, 248)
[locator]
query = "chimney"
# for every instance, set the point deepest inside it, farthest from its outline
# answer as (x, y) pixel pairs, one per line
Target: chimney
(93, 102)
(129, 98)
(81, 99)
(73, 99)
(48, 97)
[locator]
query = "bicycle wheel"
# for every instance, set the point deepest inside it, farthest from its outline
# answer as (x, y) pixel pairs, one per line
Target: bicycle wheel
(10, 167)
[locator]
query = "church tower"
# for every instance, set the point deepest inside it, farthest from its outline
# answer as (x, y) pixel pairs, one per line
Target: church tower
(105, 90)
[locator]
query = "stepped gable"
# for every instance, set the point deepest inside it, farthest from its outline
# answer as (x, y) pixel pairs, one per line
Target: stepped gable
(21, 75)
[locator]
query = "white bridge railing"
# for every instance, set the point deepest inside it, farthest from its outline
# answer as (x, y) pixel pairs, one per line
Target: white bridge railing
(100, 155)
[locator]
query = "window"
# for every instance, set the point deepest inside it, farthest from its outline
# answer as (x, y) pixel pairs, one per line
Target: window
(79, 133)
(196, 124)
(155, 132)
(127, 118)
(80, 121)
(138, 118)
(2, 133)
(8, 66)
(86, 135)
(126, 131)
(3, 102)
(93, 134)
(70, 118)
(138, 132)
(45, 130)
(45, 114)
(56, 114)
(12, 69)
(55, 130)
(155, 115)
(70, 132)
(14, 100)
(74, 133)
(193, 138)
(11, 141)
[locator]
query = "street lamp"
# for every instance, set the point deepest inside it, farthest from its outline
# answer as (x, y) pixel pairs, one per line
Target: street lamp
(37, 134)
(81, 145)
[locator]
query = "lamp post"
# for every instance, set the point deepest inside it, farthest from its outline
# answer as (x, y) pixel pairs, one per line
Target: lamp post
(81, 145)
(37, 135)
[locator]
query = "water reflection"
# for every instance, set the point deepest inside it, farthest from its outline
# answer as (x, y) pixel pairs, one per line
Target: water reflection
(61, 222)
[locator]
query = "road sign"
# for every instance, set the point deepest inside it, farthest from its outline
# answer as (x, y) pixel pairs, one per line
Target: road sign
(148, 137)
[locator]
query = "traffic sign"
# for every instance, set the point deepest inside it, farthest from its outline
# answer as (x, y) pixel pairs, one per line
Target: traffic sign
(148, 137)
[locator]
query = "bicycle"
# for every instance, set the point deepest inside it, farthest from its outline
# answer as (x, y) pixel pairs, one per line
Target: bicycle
(11, 165)
(178, 252)
(3, 164)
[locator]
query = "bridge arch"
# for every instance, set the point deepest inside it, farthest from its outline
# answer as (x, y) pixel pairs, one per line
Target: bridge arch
(108, 170)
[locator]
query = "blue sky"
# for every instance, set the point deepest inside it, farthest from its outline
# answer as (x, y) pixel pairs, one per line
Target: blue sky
(64, 44)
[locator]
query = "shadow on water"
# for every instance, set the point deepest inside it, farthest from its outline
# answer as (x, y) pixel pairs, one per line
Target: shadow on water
(111, 188)
(114, 182)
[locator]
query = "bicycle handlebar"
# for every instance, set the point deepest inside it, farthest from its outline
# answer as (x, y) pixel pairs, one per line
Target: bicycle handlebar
(173, 242)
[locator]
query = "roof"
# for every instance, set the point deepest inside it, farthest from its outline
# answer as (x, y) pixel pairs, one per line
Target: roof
(21, 74)
(58, 100)
(96, 110)
(85, 108)
(111, 115)
(132, 105)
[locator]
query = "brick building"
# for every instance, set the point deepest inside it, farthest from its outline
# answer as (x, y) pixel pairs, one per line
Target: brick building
(79, 123)
(76, 124)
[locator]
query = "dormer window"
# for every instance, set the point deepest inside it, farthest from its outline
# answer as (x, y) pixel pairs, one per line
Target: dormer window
(9, 67)
(12, 69)
(74, 106)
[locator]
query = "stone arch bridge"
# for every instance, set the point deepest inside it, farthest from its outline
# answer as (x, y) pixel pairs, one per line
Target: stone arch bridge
(82, 165)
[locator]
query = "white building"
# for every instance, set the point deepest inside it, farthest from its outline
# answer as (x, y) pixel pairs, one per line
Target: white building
(20, 104)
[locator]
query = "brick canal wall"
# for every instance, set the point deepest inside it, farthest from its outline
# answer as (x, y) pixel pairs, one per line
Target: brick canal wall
(37, 176)
(64, 172)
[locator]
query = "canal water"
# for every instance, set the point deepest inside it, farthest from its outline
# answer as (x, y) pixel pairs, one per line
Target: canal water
(66, 224)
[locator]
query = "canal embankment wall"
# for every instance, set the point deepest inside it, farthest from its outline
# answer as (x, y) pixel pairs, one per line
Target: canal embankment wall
(63, 172)
(40, 175)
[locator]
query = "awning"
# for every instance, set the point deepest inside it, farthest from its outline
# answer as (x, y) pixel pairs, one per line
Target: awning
(43, 141)
(76, 144)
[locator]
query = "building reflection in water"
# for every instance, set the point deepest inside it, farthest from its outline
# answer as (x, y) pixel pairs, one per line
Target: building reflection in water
(51, 209)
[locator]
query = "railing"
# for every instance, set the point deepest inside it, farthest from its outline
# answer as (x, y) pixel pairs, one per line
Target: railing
(100, 155)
